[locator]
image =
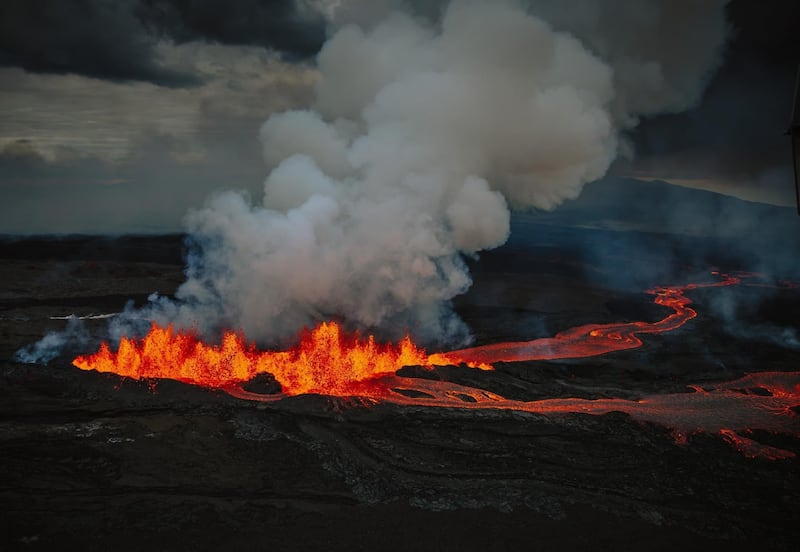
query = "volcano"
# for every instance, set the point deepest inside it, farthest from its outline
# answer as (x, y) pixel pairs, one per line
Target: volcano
(326, 361)
(601, 398)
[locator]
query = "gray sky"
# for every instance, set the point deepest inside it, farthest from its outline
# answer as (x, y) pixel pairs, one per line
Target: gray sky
(119, 116)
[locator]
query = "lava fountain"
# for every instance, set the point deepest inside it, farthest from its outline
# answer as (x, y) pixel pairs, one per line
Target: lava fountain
(325, 360)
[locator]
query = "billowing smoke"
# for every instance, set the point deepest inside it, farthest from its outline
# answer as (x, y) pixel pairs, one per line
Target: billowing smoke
(423, 134)
(421, 137)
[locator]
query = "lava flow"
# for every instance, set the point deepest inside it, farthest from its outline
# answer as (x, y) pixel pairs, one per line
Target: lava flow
(329, 362)
(591, 339)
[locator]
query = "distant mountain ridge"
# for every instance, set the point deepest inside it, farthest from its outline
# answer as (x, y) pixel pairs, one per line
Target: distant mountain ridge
(659, 206)
(765, 237)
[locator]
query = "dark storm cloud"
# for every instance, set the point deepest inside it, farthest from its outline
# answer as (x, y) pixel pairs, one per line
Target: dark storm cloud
(116, 40)
(281, 25)
(92, 38)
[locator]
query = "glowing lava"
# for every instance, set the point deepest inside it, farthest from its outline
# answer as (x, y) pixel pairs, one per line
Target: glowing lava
(324, 361)
(329, 362)
(591, 339)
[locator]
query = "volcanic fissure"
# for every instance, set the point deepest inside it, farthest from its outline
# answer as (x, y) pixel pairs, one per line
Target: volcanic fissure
(330, 362)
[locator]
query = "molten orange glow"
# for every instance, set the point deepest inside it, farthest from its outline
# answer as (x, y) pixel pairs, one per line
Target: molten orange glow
(589, 340)
(329, 362)
(325, 361)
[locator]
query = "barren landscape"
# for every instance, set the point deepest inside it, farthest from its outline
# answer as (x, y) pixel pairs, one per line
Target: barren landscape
(103, 462)
(399, 275)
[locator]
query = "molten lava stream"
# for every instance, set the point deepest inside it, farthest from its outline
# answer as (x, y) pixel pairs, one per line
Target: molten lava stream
(326, 361)
(589, 340)
(729, 409)
(329, 362)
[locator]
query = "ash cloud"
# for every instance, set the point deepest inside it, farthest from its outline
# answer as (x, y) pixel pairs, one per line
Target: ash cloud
(421, 137)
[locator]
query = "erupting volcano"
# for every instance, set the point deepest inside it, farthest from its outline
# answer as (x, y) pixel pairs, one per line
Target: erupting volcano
(327, 361)
(324, 361)
(277, 274)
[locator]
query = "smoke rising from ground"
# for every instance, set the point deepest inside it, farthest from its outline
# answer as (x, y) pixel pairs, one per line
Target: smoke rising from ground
(53, 343)
(421, 137)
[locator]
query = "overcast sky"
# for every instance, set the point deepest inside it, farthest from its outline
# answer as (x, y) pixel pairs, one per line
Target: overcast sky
(118, 116)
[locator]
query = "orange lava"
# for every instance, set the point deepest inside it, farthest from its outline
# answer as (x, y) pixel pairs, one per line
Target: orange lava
(729, 409)
(324, 361)
(591, 339)
(329, 362)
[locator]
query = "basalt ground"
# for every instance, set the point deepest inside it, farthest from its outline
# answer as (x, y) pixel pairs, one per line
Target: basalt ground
(96, 461)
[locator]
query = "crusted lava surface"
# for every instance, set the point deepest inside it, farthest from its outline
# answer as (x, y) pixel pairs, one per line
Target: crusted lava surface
(102, 462)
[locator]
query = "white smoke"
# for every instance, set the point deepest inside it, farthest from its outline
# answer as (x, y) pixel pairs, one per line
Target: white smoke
(53, 343)
(421, 136)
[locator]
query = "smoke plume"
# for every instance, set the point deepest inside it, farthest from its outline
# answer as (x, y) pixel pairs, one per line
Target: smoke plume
(53, 343)
(422, 136)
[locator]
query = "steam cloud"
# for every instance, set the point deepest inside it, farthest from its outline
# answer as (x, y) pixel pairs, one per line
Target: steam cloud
(423, 135)
(53, 343)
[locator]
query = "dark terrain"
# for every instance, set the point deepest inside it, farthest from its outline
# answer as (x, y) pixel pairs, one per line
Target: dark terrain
(99, 462)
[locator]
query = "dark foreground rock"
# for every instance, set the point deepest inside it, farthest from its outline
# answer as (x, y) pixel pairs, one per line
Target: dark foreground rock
(94, 461)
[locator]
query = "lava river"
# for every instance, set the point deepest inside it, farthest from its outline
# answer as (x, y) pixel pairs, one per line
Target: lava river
(329, 362)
